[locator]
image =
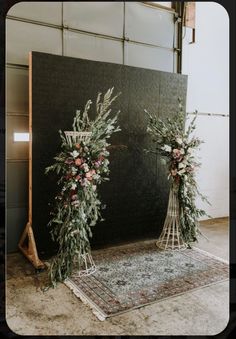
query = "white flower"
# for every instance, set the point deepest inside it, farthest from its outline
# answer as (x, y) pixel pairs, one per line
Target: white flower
(190, 150)
(181, 171)
(74, 154)
(85, 167)
(179, 141)
(73, 186)
(96, 176)
(86, 182)
(106, 162)
(181, 165)
(94, 187)
(74, 170)
(181, 151)
(166, 148)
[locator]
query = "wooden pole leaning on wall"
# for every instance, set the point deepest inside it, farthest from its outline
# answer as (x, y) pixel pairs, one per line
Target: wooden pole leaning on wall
(27, 244)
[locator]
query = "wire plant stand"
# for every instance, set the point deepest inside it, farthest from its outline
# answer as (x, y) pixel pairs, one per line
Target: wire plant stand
(171, 237)
(72, 137)
(86, 263)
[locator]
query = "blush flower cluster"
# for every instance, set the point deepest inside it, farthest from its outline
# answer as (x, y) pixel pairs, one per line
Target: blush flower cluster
(83, 168)
(179, 155)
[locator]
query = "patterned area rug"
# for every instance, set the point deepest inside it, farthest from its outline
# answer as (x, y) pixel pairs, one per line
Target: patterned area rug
(136, 275)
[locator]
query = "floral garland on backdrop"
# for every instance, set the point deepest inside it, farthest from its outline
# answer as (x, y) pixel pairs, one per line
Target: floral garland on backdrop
(81, 167)
(176, 146)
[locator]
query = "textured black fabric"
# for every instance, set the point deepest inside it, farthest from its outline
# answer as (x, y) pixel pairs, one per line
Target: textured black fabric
(136, 195)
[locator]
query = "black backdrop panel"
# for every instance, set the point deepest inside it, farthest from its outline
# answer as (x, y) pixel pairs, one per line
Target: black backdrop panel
(136, 195)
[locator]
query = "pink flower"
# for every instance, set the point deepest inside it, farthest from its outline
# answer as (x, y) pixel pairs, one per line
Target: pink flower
(89, 174)
(174, 172)
(69, 161)
(101, 158)
(78, 177)
(84, 182)
(68, 176)
(77, 146)
(97, 163)
(78, 161)
(74, 197)
(84, 165)
(177, 154)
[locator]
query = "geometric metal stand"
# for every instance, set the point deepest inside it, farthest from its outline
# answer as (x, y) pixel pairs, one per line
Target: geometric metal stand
(171, 237)
(87, 265)
(73, 137)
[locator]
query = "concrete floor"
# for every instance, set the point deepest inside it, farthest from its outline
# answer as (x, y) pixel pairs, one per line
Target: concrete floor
(30, 311)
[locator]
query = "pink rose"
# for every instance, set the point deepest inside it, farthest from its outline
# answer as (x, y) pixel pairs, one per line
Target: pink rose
(78, 177)
(78, 162)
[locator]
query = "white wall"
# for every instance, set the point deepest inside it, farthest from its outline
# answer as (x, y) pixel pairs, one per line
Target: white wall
(206, 62)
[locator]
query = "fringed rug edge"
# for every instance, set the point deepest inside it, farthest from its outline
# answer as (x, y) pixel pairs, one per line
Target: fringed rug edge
(96, 311)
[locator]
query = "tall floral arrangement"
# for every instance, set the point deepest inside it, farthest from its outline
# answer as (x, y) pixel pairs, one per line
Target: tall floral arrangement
(81, 167)
(177, 145)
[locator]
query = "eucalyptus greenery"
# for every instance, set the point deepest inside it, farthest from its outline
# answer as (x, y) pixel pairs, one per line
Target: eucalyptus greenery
(81, 166)
(176, 145)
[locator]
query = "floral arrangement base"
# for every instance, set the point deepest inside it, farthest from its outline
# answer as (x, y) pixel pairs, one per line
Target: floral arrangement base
(87, 265)
(171, 237)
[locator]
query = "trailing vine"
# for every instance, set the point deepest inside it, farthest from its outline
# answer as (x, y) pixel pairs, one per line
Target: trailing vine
(81, 167)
